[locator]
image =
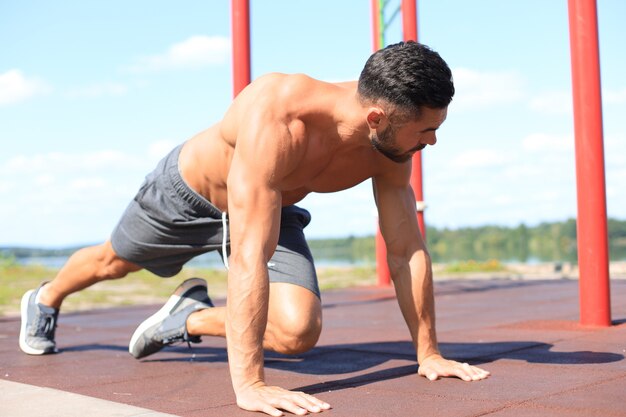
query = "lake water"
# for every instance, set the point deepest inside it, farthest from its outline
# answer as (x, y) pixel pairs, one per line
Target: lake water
(210, 260)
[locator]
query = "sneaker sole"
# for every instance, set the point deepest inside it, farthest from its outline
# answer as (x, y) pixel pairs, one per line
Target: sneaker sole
(23, 345)
(163, 311)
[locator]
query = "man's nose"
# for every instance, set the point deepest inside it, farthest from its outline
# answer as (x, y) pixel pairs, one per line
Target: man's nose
(431, 139)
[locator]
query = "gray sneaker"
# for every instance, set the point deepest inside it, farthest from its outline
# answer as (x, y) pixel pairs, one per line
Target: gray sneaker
(39, 323)
(168, 325)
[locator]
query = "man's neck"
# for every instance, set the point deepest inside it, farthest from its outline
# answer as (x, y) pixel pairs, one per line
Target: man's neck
(349, 115)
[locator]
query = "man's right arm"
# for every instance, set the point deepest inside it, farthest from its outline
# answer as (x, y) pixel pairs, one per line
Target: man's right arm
(254, 205)
(253, 235)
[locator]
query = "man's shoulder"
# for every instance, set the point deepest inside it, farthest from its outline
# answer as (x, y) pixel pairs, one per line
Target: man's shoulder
(280, 78)
(284, 98)
(285, 86)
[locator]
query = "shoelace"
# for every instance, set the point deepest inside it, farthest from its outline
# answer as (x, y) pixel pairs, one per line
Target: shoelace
(46, 325)
(181, 339)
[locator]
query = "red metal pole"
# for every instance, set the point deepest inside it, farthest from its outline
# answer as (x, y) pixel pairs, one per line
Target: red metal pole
(409, 30)
(376, 44)
(593, 253)
(382, 268)
(241, 44)
(409, 20)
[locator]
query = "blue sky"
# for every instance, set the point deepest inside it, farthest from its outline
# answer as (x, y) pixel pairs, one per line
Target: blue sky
(92, 94)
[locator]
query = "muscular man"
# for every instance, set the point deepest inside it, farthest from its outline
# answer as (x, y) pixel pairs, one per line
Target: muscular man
(283, 137)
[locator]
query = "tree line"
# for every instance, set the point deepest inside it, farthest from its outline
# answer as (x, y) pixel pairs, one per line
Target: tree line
(544, 242)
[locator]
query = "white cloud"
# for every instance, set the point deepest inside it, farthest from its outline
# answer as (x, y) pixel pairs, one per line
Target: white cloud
(615, 151)
(66, 198)
(614, 187)
(552, 102)
(15, 87)
(193, 53)
(614, 96)
(543, 142)
(561, 102)
(158, 149)
(6, 186)
(478, 158)
(48, 168)
(44, 180)
(88, 184)
(475, 89)
(57, 162)
(349, 212)
(498, 198)
(99, 90)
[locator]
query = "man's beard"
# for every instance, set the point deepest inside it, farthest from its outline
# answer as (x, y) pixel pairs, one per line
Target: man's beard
(383, 143)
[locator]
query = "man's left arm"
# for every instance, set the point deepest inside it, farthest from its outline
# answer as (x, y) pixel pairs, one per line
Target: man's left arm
(411, 272)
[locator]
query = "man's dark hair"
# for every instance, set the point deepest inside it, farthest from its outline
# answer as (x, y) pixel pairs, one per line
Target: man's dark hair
(408, 75)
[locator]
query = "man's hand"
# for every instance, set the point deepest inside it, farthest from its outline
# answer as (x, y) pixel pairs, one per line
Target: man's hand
(270, 400)
(435, 366)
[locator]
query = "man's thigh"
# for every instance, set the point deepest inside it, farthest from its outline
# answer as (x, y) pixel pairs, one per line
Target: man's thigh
(294, 305)
(292, 262)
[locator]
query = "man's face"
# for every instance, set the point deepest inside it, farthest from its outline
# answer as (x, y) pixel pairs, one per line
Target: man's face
(384, 143)
(402, 143)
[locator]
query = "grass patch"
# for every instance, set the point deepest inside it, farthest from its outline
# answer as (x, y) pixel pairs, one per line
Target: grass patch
(472, 266)
(138, 288)
(333, 278)
(15, 281)
(144, 287)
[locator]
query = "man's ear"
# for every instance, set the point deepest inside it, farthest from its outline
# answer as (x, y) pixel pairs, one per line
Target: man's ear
(376, 117)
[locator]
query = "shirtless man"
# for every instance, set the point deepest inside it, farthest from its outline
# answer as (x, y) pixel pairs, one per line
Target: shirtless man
(283, 137)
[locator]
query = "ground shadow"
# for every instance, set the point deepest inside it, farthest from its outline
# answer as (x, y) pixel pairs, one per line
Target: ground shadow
(348, 358)
(358, 358)
(359, 380)
(474, 353)
(93, 346)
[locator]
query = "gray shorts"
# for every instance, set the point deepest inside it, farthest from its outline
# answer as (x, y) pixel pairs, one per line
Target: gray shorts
(167, 224)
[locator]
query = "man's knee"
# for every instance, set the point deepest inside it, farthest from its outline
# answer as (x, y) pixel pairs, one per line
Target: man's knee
(295, 318)
(110, 265)
(298, 334)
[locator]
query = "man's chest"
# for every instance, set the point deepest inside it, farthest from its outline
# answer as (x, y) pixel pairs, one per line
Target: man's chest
(332, 172)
